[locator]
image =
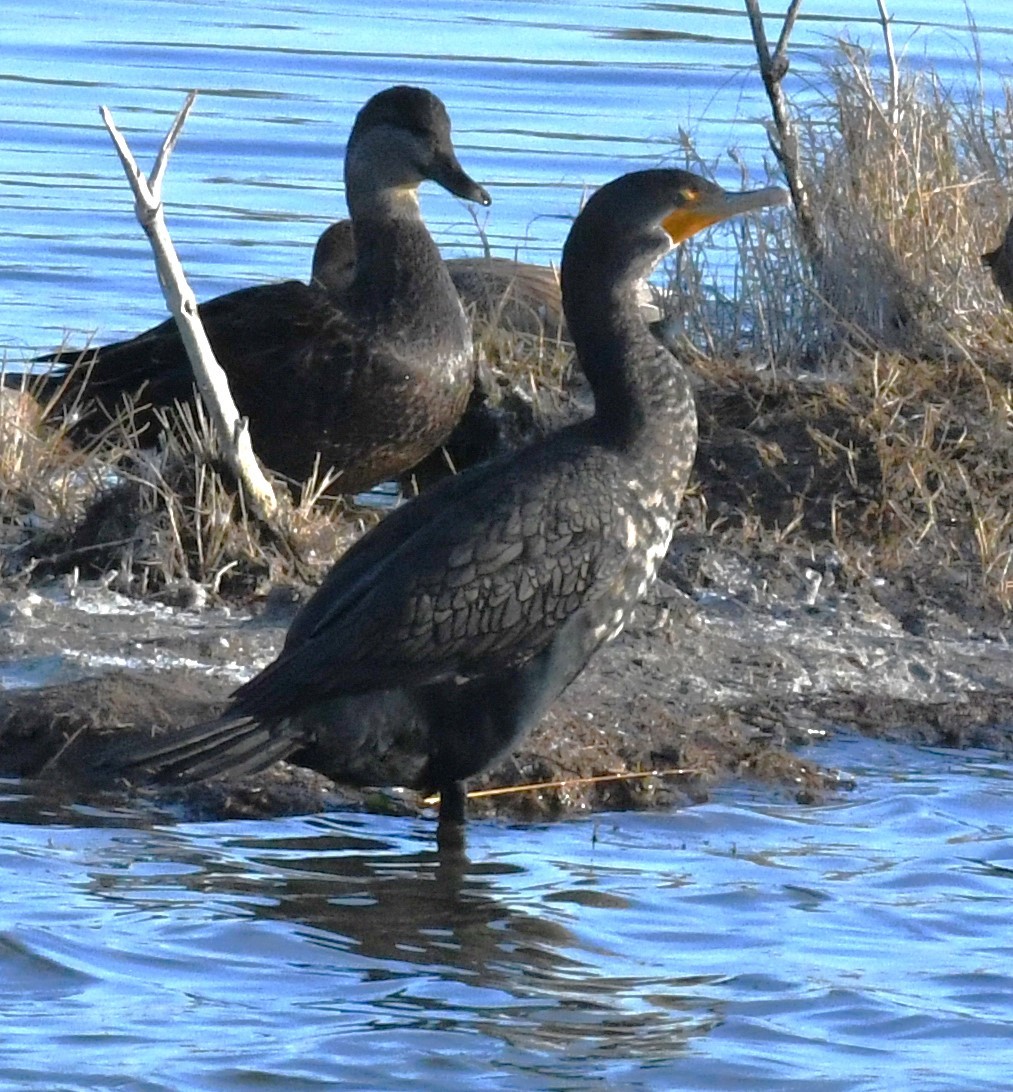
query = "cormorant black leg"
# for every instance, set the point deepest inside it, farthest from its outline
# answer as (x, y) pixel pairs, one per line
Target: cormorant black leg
(450, 827)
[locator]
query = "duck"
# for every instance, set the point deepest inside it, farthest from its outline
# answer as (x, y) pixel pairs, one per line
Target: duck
(368, 379)
(467, 611)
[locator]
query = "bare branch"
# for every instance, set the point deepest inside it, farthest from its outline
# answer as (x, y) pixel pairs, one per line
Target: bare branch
(138, 183)
(162, 162)
(759, 32)
(886, 19)
(781, 52)
(773, 68)
(230, 428)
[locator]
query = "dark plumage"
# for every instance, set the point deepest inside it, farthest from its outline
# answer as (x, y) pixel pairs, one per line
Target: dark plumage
(467, 611)
(1000, 262)
(517, 296)
(498, 293)
(374, 376)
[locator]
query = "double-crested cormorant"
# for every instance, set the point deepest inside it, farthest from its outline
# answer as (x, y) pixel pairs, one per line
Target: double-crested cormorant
(1000, 262)
(468, 610)
(372, 378)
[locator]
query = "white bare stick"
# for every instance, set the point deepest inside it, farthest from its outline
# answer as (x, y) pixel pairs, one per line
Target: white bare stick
(231, 429)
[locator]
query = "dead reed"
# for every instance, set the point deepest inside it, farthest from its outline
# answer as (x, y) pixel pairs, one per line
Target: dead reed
(893, 317)
(856, 390)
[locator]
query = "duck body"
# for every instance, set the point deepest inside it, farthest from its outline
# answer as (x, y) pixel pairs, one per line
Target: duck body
(467, 611)
(153, 370)
(370, 378)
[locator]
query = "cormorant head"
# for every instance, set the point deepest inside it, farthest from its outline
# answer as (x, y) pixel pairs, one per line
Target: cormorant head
(629, 224)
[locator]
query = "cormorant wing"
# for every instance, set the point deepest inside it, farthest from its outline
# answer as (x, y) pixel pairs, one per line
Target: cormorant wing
(472, 578)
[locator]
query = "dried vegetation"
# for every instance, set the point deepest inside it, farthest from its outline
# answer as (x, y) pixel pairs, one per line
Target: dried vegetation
(854, 393)
(881, 417)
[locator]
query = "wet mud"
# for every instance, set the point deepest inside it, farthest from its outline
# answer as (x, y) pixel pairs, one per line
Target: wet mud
(737, 667)
(760, 640)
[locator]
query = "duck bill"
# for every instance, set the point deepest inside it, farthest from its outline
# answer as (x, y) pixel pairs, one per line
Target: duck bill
(712, 208)
(451, 176)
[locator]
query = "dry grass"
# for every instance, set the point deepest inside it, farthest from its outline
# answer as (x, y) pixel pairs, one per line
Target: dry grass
(945, 448)
(150, 520)
(895, 318)
(45, 481)
(907, 193)
(860, 395)
(907, 186)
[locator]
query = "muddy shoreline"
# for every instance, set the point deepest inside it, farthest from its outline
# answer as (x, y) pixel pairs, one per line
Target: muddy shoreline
(810, 590)
(737, 667)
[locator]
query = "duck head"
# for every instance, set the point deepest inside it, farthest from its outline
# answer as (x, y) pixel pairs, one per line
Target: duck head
(401, 138)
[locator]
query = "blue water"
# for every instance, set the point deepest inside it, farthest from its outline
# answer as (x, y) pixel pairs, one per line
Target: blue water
(548, 99)
(862, 944)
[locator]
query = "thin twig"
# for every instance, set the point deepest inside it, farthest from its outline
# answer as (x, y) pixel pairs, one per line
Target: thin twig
(781, 52)
(162, 161)
(773, 68)
(138, 183)
(53, 759)
(569, 782)
(886, 19)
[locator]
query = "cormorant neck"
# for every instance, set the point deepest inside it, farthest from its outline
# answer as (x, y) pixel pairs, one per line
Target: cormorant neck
(642, 394)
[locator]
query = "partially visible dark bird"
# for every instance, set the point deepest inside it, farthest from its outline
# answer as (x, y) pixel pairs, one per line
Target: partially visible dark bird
(467, 611)
(373, 377)
(499, 293)
(1000, 262)
(334, 258)
(506, 294)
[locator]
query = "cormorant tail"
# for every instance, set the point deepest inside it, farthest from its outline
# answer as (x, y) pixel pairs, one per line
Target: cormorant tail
(232, 744)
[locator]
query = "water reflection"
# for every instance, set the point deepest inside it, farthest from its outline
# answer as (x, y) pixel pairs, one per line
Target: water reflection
(744, 943)
(443, 934)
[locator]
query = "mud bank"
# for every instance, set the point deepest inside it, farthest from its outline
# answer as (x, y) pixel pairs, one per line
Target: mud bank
(738, 666)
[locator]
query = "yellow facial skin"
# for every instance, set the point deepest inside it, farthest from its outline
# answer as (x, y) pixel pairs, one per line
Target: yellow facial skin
(698, 209)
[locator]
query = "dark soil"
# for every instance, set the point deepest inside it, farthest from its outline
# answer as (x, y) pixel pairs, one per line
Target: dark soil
(759, 641)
